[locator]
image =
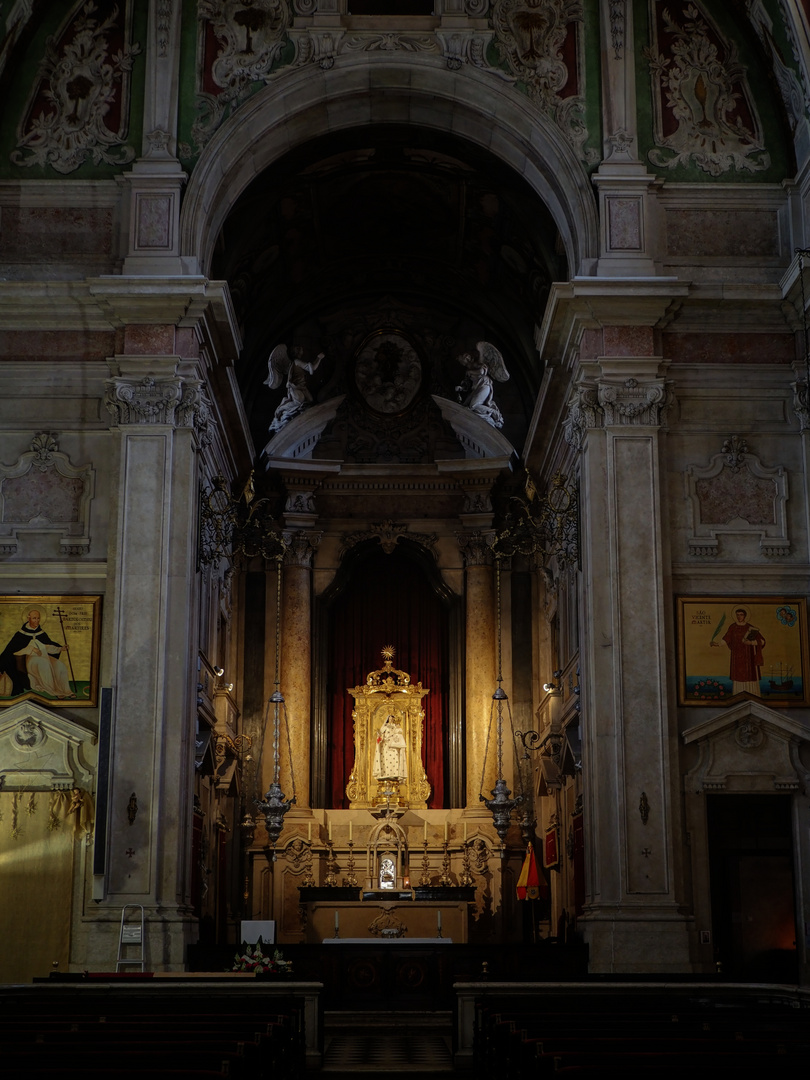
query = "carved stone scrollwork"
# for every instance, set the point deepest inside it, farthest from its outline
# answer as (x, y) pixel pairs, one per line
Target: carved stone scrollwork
(146, 401)
(476, 548)
(583, 413)
(617, 20)
(389, 533)
(174, 402)
(735, 494)
(801, 404)
(300, 547)
(79, 108)
(634, 402)
(43, 492)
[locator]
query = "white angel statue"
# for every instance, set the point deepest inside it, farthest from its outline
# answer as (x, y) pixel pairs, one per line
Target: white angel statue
(280, 366)
(476, 391)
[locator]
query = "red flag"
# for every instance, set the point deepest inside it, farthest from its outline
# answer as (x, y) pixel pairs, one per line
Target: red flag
(530, 885)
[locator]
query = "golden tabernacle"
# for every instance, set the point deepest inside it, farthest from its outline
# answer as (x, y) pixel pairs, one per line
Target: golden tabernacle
(388, 728)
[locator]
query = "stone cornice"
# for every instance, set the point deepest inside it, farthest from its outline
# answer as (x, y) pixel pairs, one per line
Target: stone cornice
(108, 303)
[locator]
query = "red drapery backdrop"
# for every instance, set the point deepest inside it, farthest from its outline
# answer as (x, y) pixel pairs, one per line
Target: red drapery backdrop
(387, 601)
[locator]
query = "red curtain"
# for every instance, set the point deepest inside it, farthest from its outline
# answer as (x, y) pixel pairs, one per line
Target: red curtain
(388, 600)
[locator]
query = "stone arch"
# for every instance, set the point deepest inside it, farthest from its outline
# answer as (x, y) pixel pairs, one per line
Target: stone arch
(468, 103)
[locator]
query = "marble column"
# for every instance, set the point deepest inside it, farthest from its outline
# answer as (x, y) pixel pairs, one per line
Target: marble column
(296, 666)
(480, 666)
(633, 919)
(157, 407)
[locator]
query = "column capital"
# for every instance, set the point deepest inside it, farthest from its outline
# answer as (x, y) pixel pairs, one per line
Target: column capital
(801, 403)
(178, 402)
(618, 392)
(475, 547)
(301, 546)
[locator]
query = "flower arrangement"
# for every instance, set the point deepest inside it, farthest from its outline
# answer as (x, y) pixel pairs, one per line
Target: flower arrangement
(253, 959)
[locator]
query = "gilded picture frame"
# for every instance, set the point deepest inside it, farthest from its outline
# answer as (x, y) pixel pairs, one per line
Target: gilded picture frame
(49, 650)
(732, 648)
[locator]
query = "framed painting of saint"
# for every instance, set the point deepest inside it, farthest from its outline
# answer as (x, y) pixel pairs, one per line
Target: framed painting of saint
(50, 650)
(735, 647)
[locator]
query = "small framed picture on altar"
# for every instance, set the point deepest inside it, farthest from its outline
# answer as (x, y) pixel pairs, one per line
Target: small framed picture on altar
(50, 650)
(730, 648)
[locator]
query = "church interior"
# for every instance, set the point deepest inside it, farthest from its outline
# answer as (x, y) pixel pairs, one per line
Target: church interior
(404, 504)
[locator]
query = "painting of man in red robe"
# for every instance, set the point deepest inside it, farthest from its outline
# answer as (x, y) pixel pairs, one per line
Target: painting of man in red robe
(745, 644)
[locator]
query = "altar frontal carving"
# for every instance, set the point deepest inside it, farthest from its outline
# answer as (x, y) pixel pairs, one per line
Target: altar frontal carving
(388, 727)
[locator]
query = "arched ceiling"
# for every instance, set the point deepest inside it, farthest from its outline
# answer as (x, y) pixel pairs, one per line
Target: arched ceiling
(389, 227)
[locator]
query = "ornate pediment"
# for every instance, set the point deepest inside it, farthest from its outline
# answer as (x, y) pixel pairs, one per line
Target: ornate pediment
(735, 494)
(43, 492)
(749, 748)
(43, 751)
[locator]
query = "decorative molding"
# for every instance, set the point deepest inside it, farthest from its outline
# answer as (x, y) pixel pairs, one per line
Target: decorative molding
(389, 534)
(634, 403)
(43, 492)
(583, 414)
(735, 494)
(300, 546)
(83, 82)
(792, 82)
(163, 20)
(717, 129)
(750, 748)
(801, 404)
(476, 548)
(631, 403)
(618, 15)
(237, 53)
(40, 751)
(175, 402)
(533, 38)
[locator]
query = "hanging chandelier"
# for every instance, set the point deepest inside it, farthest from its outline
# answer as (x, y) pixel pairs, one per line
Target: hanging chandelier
(500, 805)
(275, 805)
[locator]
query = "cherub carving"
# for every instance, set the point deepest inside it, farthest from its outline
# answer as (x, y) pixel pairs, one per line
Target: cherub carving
(280, 366)
(476, 391)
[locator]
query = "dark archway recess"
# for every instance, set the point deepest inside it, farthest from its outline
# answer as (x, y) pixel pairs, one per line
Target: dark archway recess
(752, 886)
(389, 226)
(384, 599)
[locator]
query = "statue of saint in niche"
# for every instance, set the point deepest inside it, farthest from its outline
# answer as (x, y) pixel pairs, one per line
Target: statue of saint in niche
(390, 762)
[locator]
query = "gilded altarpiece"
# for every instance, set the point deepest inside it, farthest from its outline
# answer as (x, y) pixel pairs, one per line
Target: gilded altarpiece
(388, 730)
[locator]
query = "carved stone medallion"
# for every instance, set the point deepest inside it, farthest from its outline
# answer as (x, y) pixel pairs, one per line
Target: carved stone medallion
(388, 372)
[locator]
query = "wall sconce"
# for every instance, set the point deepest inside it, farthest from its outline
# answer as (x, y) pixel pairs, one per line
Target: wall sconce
(553, 687)
(219, 672)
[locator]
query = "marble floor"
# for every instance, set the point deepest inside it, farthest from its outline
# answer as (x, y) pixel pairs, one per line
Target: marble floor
(383, 1044)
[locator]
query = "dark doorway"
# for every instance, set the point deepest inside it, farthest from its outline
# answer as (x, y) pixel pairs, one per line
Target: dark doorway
(753, 906)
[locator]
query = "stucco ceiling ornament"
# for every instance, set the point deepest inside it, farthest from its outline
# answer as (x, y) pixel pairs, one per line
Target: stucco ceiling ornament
(240, 43)
(532, 36)
(79, 107)
(704, 110)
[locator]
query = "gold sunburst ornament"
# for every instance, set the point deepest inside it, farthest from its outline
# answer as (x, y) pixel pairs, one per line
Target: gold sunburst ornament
(387, 653)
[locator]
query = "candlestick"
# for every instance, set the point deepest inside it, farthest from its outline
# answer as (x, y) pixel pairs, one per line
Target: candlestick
(445, 832)
(425, 832)
(330, 830)
(350, 830)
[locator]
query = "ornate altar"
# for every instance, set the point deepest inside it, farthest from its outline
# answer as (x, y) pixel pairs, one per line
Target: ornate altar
(388, 728)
